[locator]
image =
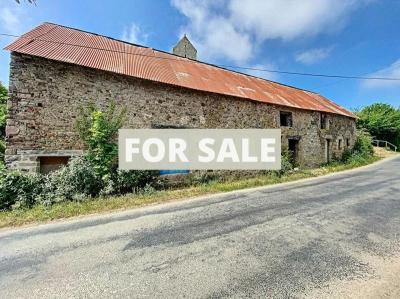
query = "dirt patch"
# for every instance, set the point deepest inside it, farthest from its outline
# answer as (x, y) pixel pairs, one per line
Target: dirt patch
(384, 282)
(384, 153)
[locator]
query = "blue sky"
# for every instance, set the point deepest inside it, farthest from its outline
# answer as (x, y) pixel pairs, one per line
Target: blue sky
(346, 37)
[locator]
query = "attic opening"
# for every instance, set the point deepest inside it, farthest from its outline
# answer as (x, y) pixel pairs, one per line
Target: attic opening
(324, 123)
(286, 119)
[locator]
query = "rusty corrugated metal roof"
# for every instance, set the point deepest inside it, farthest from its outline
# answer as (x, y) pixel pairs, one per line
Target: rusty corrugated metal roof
(74, 46)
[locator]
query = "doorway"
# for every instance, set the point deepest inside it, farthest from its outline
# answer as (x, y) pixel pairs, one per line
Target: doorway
(328, 150)
(293, 148)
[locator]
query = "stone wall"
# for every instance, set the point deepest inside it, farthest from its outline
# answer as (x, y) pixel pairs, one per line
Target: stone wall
(185, 48)
(45, 97)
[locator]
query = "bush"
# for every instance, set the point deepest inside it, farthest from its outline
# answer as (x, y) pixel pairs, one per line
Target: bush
(382, 121)
(2, 150)
(123, 182)
(362, 149)
(202, 177)
(3, 117)
(98, 130)
(363, 144)
(75, 181)
(286, 165)
(19, 189)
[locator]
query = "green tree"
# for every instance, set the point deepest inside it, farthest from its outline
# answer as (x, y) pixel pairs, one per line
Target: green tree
(3, 118)
(98, 130)
(382, 121)
(3, 109)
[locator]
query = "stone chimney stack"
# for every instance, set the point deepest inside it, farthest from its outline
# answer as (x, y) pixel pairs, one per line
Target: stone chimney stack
(184, 48)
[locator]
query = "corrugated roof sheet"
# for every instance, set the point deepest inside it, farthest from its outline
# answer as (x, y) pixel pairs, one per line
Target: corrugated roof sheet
(74, 46)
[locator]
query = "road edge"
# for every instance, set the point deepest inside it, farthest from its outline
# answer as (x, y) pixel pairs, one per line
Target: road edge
(122, 212)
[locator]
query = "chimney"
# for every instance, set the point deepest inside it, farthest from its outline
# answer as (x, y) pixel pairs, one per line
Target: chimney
(185, 48)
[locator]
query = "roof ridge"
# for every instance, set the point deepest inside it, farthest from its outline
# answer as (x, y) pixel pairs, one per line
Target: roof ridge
(225, 81)
(192, 60)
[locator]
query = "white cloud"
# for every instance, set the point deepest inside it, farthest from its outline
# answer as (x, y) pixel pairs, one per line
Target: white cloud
(9, 19)
(134, 34)
(287, 19)
(16, 19)
(213, 34)
(313, 56)
(234, 29)
(392, 71)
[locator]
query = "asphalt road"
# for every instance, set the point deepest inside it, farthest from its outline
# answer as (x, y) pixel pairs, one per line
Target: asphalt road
(333, 236)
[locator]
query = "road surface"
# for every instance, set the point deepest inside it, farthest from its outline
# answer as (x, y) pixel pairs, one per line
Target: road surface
(332, 237)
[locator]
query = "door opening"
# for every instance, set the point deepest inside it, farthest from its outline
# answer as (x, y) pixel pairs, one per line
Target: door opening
(328, 150)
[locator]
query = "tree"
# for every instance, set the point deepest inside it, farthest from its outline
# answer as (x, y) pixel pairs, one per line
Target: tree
(3, 93)
(3, 117)
(382, 121)
(98, 130)
(3, 109)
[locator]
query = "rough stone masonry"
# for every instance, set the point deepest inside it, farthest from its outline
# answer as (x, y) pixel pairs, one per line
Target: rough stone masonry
(45, 97)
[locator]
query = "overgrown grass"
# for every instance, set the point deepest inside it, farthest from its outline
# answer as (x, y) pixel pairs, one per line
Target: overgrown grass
(41, 213)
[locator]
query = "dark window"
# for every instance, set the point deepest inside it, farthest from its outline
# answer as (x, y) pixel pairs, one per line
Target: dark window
(340, 144)
(347, 142)
(324, 121)
(286, 119)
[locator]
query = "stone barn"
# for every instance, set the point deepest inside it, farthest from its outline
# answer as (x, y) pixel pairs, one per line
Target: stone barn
(55, 70)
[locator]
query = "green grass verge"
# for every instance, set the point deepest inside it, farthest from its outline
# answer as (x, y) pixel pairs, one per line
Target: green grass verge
(40, 213)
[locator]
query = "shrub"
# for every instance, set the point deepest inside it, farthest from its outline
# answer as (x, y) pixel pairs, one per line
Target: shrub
(122, 182)
(363, 144)
(98, 130)
(19, 189)
(3, 108)
(286, 165)
(202, 177)
(362, 149)
(2, 150)
(382, 121)
(3, 117)
(347, 154)
(128, 181)
(75, 181)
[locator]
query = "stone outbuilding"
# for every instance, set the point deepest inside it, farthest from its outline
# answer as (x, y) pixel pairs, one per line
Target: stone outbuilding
(55, 70)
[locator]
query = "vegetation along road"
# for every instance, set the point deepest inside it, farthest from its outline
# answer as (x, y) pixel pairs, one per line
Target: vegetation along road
(334, 236)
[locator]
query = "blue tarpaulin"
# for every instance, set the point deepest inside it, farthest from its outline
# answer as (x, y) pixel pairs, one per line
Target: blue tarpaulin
(164, 172)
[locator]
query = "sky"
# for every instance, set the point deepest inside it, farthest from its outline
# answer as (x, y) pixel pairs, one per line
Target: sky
(346, 37)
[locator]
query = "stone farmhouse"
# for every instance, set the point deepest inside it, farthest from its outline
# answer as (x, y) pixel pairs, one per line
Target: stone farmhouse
(55, 70)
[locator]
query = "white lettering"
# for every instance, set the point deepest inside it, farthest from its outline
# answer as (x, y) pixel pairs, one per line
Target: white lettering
(245, 152)
(130, 150)
(207, 150)
(177, 147)
(228, 151)
(160, 150)
(268, 147)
